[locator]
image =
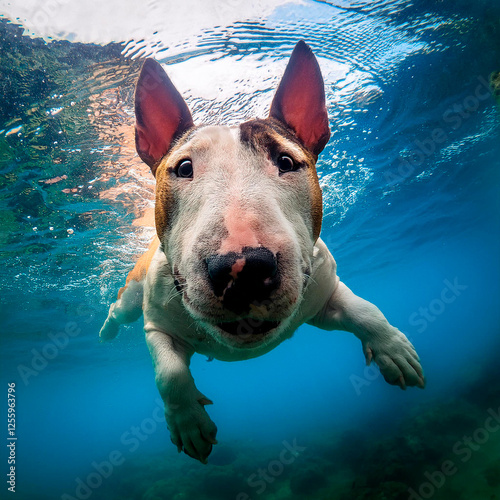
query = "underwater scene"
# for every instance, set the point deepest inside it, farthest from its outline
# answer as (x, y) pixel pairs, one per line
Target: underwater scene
(411, 213)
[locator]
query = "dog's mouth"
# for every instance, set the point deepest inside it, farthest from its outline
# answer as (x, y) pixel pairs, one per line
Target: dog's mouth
(248, 328)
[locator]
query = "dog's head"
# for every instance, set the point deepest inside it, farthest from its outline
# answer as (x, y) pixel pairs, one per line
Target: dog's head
(238, 210)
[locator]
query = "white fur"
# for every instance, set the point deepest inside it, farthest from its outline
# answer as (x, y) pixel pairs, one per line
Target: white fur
(230, 177)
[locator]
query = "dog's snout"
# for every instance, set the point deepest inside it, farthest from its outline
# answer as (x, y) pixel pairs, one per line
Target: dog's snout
(245, 278)
(219, 271)
(261, 262)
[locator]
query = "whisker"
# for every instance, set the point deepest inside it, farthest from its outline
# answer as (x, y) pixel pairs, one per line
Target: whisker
(309, 277)
(173, 294)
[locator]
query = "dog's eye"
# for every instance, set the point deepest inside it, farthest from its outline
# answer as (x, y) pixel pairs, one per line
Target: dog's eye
(185, 169)
(286, 164)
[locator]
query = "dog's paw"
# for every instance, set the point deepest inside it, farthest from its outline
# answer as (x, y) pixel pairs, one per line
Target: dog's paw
(397, 359)
(109, 330)
(191, 429)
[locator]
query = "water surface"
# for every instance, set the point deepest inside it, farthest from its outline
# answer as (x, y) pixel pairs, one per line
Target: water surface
(410, 181)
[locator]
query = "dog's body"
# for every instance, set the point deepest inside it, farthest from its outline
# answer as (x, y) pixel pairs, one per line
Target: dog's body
(238, 264)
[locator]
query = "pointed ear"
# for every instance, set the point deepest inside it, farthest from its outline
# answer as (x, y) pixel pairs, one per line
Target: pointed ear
(299, 102)
(161, 114)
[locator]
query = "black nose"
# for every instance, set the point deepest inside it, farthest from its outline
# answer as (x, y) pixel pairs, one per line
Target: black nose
(243, 278)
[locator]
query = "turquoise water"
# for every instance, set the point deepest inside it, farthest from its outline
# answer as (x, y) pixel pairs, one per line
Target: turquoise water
(410, 180)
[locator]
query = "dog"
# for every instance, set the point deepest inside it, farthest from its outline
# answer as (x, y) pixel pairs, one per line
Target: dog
(238, 265)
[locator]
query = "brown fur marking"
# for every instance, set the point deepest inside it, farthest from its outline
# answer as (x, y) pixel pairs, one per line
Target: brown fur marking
(142, 265)
(164, 204)
(266, 134)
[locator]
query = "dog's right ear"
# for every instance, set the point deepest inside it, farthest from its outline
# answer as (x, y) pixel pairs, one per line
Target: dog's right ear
(161, 114)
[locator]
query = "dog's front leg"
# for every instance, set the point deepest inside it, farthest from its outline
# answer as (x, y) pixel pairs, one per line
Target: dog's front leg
(386, 345)
(190, 426)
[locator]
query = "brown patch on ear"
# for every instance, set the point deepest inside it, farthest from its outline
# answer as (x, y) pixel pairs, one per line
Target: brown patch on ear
(299, 102)
(161, 114)
(141, 266)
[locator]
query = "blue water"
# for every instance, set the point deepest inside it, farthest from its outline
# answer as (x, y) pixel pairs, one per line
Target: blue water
(410, 180)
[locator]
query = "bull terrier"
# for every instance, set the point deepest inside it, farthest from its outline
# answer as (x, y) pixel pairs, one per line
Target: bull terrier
(237, 265)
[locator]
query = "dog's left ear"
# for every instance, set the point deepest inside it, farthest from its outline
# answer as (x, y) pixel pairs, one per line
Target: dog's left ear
(161, 114)
(299, 102)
